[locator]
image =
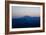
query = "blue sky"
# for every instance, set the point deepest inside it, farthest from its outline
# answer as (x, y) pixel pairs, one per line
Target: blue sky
(25, 11)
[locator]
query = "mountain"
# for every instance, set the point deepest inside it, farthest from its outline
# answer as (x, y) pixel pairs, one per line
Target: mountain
(25, 21)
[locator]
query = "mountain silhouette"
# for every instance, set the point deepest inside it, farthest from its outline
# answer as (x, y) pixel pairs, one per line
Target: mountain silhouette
(26, 16)
(25, 21)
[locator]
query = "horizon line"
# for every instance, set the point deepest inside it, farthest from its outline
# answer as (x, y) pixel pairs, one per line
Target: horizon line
(23, 16)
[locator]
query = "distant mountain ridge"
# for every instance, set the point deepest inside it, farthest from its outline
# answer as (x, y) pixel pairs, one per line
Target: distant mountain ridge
(23, 16)
(26, 21)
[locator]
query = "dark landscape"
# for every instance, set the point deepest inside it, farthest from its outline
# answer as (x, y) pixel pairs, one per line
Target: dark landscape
(25, 22)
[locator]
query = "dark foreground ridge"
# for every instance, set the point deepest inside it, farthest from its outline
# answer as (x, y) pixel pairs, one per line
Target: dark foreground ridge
(25, 22)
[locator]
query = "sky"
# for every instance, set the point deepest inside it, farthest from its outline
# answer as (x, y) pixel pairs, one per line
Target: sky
(25, 11)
